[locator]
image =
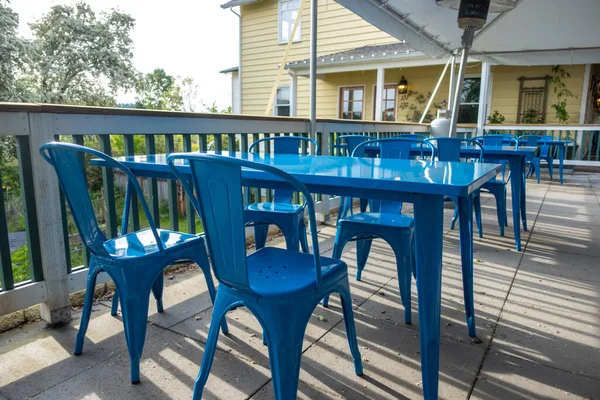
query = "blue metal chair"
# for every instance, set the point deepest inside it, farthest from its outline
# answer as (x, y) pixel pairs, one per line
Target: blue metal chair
(349, 143)
(280, 287)
(384, 221)
(135, 261)
(543, 154)
(288, 217)
(449, 149)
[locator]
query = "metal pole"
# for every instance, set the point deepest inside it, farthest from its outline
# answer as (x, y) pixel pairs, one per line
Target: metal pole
(379, 94)
(313, 68)
(452, 83)
(467, 41)
(437, 86)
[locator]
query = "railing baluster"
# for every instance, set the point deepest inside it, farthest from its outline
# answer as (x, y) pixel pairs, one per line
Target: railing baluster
(597, 135)
(269, 194)
(153, 203)
(80, 140)
(231, 143)
(28, 196)
(256, 192)
(134, 211)
(202, 145)
(218, 143)
(172, 188)
(108, 186)
(189, 209)
(6, 272)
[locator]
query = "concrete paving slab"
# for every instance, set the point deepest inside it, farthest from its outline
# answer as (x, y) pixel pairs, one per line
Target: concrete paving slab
(391, 364)
(573, 238)
(562, 340)
(504, 377)
(169, 368)
(33, 359)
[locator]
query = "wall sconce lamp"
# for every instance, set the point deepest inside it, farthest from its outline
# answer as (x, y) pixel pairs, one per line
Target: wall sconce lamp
(403, 85)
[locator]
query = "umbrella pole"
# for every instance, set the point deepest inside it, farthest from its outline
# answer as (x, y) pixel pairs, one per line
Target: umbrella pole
(467, 42)
(314, 6)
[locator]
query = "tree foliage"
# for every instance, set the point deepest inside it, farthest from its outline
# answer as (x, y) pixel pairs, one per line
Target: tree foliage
(562, 93)
(13, 53)
(158, 91)
(79, 57)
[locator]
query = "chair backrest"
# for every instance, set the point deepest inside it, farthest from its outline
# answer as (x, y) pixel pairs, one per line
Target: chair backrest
(399, 148)
(352, 141)
(285, 145)
(66, 158)
(449, 149)
(534, 141)
(218, 184)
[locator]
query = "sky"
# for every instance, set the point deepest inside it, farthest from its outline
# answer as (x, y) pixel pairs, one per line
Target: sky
(187, 38)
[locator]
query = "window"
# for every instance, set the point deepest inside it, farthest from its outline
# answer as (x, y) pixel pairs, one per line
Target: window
(388, 102)
(533, 98)
(351, 102)
(469, 101)
(282, 102)
(288, 12)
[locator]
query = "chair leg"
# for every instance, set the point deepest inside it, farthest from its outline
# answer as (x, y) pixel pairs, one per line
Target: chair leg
(135, 299)
(454, 218)
(338, 248)
(115, 303)
(222, 304)
(363, 248)
(157, 291)
(290, 230)
(346, 300)
(87, 306)
(402, 252)
(285, 327)
(303, 236)
(261, 232)
(201, 260)
(477, 209)
(550, 162)
(536, 167)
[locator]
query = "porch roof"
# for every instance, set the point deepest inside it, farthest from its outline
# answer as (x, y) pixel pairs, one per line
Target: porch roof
(235, 3)
(363, 55)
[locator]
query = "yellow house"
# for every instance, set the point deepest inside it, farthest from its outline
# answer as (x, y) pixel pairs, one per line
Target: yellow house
(354, 58)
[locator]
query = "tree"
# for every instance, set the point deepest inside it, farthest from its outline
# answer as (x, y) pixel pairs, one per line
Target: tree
(79, 57)
(189, 93)
(13, 53)
(158, 91)
(562, 93)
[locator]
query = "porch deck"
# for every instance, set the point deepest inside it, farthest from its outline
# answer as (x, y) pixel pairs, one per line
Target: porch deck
(538, 316)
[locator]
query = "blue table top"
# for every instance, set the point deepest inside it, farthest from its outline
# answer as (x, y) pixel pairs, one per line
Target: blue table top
(489, 150)
(388, 175)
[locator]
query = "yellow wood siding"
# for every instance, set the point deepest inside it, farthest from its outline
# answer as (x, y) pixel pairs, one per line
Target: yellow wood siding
(505, 90)
(339, 30)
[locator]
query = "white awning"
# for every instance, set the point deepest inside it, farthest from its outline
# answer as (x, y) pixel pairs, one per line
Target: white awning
(536, 32)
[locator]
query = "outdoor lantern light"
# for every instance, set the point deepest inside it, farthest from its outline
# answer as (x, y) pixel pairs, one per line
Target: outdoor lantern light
(596, 93)
(403, 85)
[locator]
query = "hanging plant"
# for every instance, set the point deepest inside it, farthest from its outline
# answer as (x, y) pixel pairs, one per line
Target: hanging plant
(562, 93)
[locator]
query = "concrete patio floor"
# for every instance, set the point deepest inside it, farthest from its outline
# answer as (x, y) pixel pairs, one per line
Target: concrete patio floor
(538, 317)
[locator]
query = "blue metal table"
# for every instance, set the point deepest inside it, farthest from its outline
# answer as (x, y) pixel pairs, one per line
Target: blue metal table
(516, 160)
(561, 145)
(425, 184)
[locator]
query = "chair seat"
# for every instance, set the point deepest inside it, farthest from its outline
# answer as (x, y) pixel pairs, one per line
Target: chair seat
(284, 208)
(143, 243)
(274, 272)
(381, 219)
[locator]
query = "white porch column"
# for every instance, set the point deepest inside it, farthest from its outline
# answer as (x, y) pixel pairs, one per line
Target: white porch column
(293, 94)
(379, 94)
(484, 89)
(583, 107)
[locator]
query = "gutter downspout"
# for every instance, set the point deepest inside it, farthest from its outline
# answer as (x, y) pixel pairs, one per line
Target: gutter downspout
(239, 61)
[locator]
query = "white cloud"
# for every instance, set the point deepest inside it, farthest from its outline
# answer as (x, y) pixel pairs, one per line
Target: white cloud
(194, 38)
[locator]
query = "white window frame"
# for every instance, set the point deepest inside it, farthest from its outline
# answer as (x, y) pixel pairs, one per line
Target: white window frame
(298, 37)
(472, 76)
(276, 105)
(375, 100)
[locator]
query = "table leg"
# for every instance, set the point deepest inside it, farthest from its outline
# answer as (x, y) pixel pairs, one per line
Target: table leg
(524, 200)
(429, 224)
(517, 179)
(465, 215)
(561, 160)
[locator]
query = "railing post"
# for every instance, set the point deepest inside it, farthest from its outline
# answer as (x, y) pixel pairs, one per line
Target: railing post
(56, 309)
(323, 215)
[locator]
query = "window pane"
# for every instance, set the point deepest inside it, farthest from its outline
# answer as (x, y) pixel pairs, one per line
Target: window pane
(346, 115)
(288, 12)
(390, 93)
(346, 95)
(470, 91)
(357, 115)
(346, 106)
(283, 111)
(467, 114)
(388, 116)
(357, 106)
(358, 94)
(283, 95)
(389, 105)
